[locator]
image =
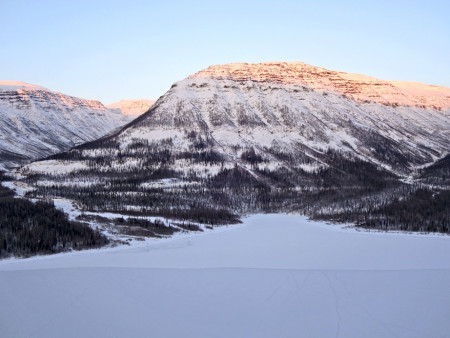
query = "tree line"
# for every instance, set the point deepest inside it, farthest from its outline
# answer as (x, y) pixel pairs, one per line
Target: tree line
(342, 188)
(28, 228)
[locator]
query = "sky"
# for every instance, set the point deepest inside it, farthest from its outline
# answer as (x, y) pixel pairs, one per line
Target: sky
(113, 50)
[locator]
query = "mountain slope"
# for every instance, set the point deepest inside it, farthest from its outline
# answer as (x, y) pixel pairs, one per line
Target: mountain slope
(132, 107)
(267, 114)
(37, 122)
(246, 138)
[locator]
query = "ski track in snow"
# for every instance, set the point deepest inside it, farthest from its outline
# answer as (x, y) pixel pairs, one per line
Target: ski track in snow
(273, 276)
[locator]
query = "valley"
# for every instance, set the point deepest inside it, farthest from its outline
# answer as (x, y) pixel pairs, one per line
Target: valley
(224, 169)
(241, 139)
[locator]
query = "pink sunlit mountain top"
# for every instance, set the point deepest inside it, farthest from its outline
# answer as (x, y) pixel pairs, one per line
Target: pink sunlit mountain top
(132, 107)
(361, 88)
(15, 85)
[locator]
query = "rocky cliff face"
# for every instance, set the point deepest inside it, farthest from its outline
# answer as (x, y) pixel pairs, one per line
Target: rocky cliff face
(37, 122)
(361, 88)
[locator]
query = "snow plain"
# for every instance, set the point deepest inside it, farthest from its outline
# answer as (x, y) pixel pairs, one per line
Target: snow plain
(272, 276)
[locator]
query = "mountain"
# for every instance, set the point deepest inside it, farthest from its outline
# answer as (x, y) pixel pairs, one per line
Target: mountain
(132, 107)
(270, 137)
(37, 122)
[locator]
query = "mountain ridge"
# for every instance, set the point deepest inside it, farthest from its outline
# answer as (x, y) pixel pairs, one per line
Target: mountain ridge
(359, 87)
(37, 122)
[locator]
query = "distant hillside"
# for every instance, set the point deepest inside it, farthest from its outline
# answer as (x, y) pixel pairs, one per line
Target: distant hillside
(132, 107)
(37, 122)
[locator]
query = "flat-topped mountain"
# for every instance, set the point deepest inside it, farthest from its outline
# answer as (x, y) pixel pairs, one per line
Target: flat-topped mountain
(289, 107)
(37, 122)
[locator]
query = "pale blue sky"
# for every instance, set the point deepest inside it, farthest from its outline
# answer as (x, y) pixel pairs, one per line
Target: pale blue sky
(112, 50)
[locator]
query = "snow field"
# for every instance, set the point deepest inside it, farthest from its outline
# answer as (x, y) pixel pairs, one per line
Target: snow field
(273, 276)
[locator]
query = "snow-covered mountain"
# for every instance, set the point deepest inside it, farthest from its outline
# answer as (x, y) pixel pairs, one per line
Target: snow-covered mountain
(132, 107)
(37, 122)
(296, 108)
(267, 137)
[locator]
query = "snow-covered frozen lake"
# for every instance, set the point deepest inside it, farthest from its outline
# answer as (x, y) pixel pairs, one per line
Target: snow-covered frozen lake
(273, 276)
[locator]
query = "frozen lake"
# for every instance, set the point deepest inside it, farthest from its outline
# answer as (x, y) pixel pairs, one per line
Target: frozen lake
(273, 276)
